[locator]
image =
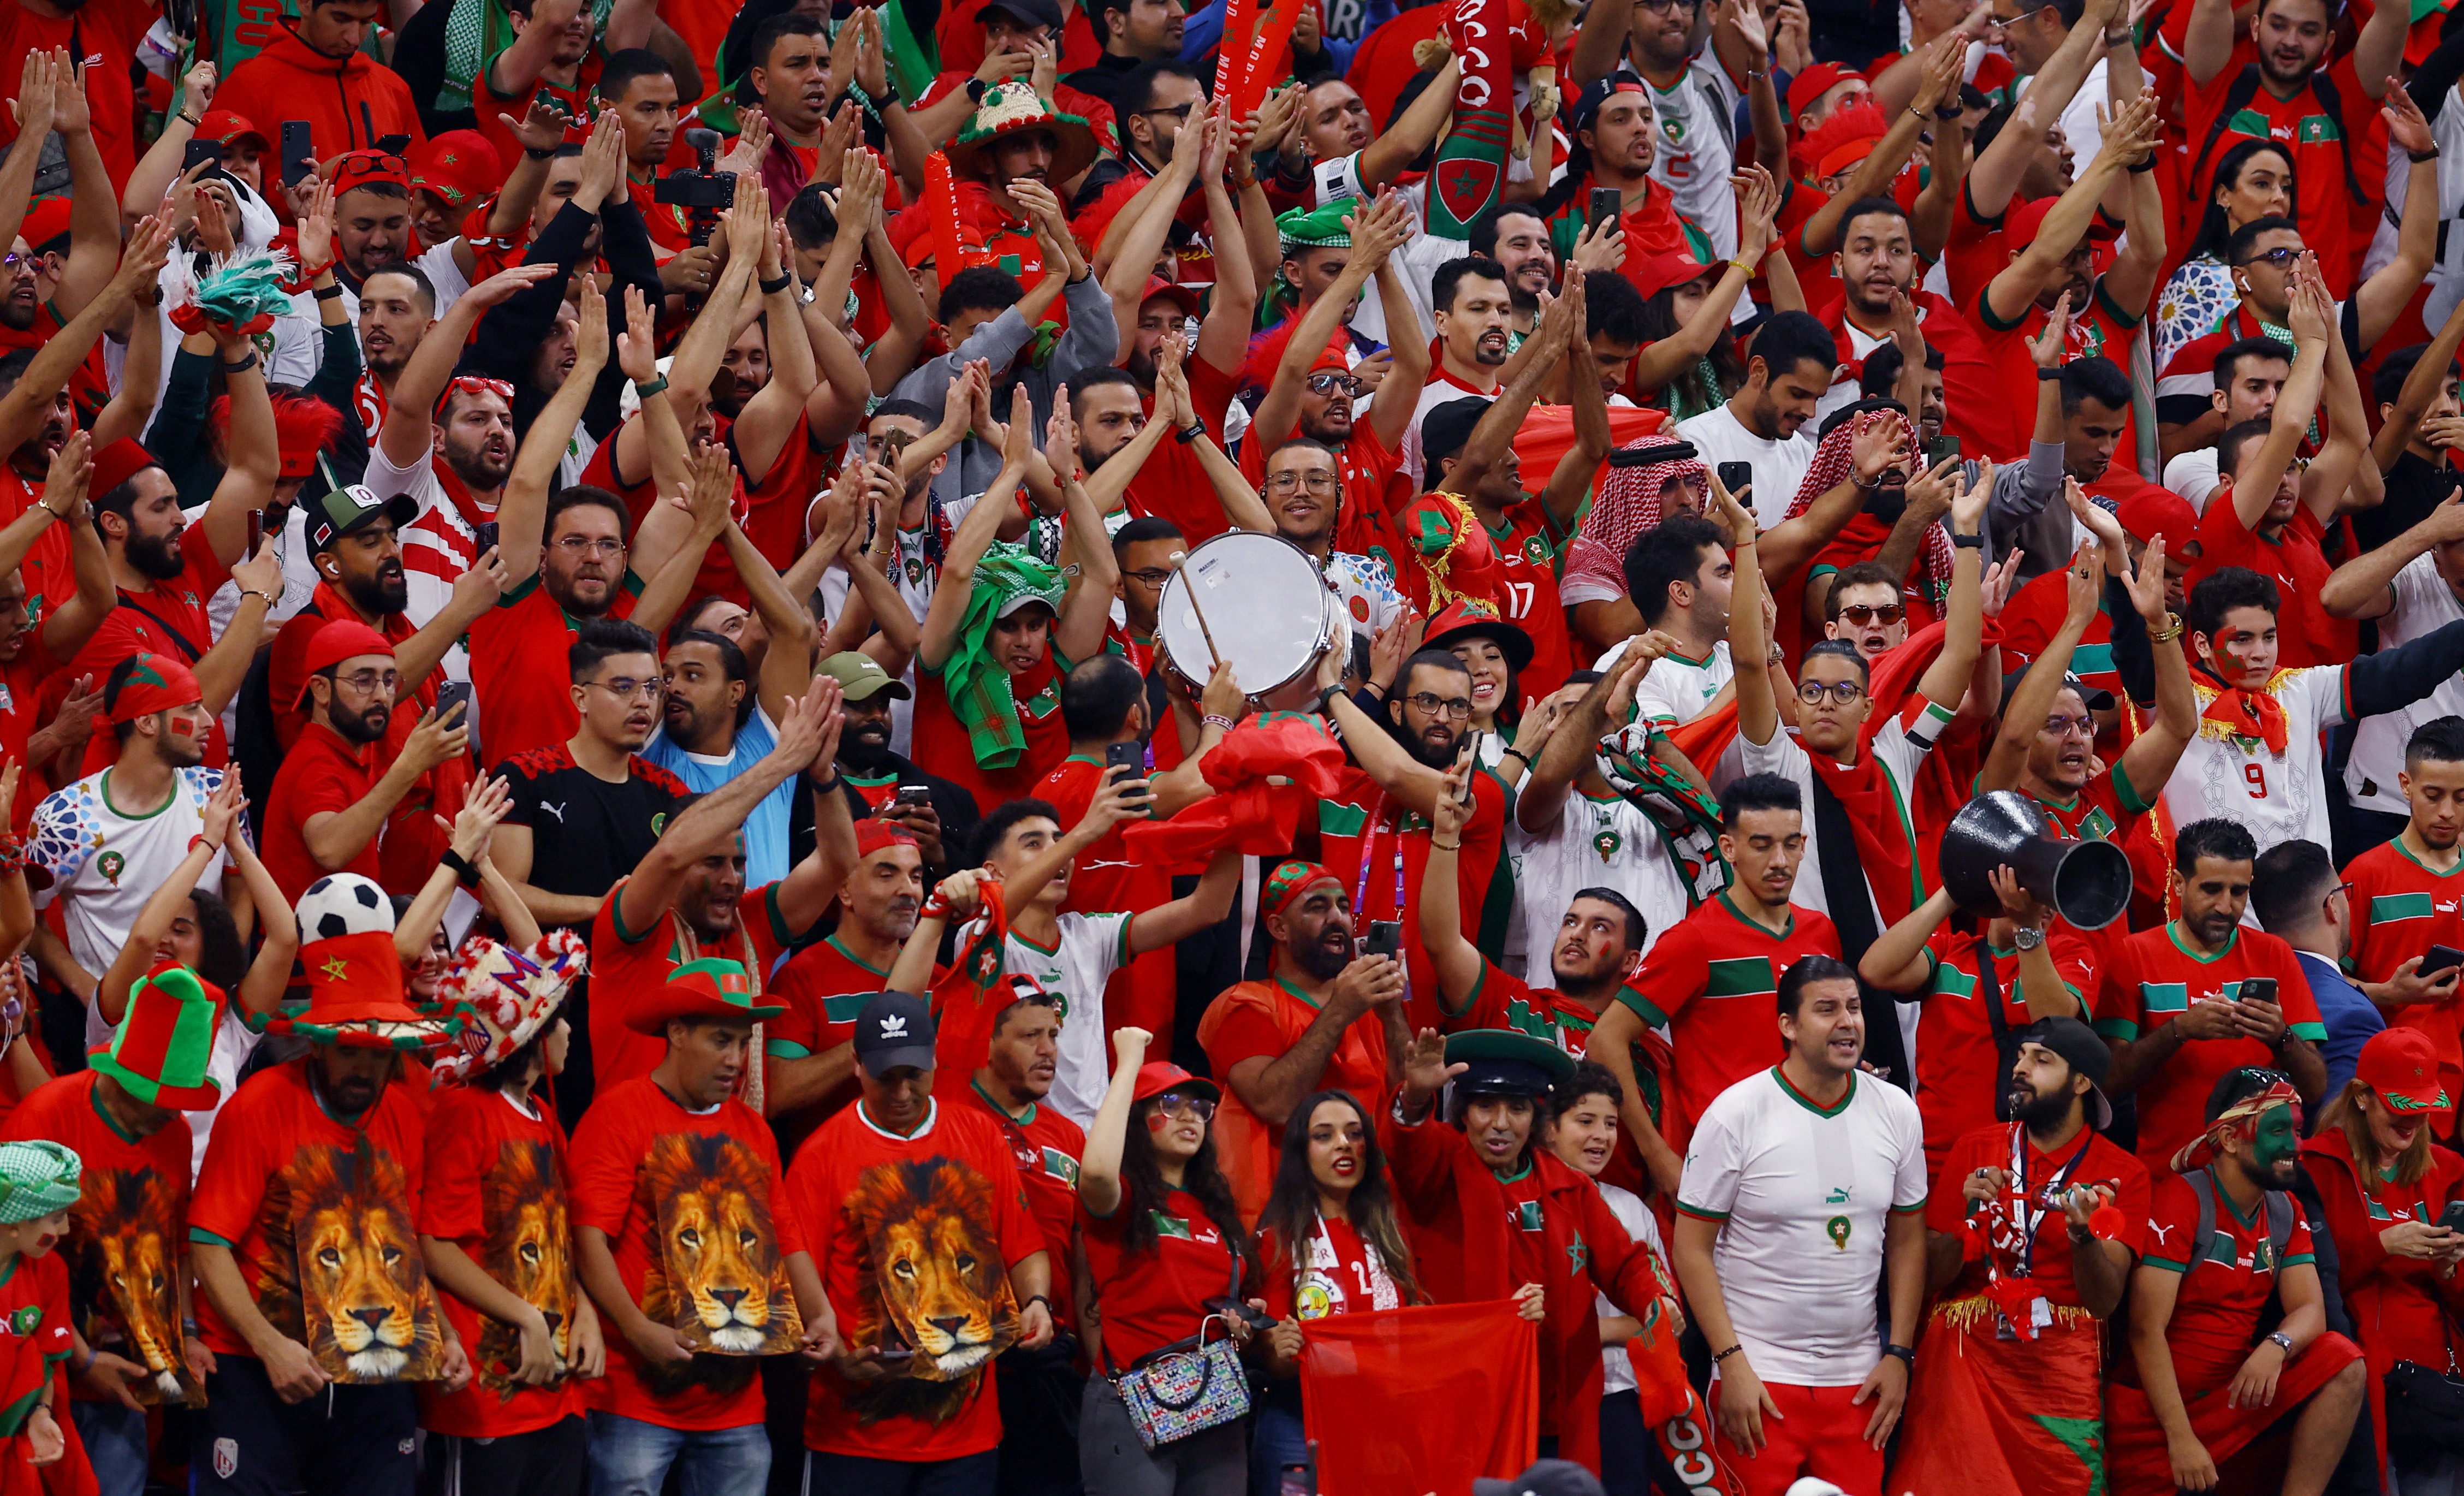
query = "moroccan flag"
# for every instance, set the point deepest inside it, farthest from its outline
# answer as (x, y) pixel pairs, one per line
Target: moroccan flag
(1547, 433)
(1471, 160)
(1414, 1374)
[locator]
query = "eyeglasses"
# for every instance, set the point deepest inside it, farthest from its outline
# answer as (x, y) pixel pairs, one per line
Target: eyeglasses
(1842, 692)
(1665, 5)
(1998, 23)
(1293, 482)
(1173, 1104)
(1858, 615)
(14, 264)
(625, 688)
(2061, 726)
(1430, 704)
(579, 545)
(1150, 577)
(367, 683)
(1327, 382)
(2280, 257)
(1177, 111)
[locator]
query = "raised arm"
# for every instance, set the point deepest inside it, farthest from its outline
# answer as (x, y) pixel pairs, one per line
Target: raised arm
(709, 821)
(1662, 361)
(1099, 1166)
(2382, 298)
(1946, 680)
(1569, 485)
(25, 407)
(1749, 636)
(1415, 131)
(1899, 959)
(938, 638)
(2011, 292)
(2255, 490)
(1457, 961)
(521, 517)
(1376, 229)
(2421, 386)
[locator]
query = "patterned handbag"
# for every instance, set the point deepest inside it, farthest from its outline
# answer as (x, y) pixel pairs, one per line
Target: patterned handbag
(1188, 1386)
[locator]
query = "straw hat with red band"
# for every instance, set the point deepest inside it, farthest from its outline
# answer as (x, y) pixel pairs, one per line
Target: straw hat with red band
(460, 167)
(1162, 1077)
(2401, 1065)
(160, 1049)
(1808, 87)
(703, 989)
(1015, 108)
(339, 639)
(1477, 618)
(226, 125)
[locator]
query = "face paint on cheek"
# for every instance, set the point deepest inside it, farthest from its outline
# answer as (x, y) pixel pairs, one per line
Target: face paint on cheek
(2278, 1137)
(1156, 1122)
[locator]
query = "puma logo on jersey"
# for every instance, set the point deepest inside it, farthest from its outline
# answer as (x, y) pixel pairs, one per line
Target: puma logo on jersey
(556, 811)
(2158, 1232)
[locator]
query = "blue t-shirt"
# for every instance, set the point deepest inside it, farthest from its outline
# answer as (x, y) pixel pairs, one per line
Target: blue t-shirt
(2351, 1016)
(765, 829)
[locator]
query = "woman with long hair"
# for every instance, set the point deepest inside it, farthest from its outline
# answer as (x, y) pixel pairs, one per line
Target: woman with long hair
(1162, 1237)
(1331, 1196)
(1494, 653)
(2383, 1185)
(2253, 180)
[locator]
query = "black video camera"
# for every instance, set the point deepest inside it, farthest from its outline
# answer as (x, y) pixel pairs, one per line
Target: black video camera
(702, 191)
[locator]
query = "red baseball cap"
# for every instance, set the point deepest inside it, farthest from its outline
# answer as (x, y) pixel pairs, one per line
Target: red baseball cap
(341, 639)
(1816, 81)
(2402, 1065)
(1660, 271)
(47, 220)
(226, 125)
(459, 166)
(1181, 295)
(2155, 511)
(1159, 1076)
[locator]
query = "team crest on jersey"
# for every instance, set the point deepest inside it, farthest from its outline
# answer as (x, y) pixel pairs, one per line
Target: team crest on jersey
(1061, 1166)
(915, 572)
(1535, 550)
(226, 1457)
(1526, 1216)
(1673, 128)
(111, 865)
(26, 1319)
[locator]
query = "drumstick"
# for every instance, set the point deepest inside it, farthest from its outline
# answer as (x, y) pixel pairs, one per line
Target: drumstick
(1203, 632)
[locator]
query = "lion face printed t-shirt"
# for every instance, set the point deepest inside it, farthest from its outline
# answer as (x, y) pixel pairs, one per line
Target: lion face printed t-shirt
(919, 1234)
(699, 1223)
(126, 1253)
(322, 1217)
(496, 1187)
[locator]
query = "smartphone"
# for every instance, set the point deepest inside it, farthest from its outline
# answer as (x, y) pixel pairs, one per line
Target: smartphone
(486, 535)
(913, 795)
(255, 531)
(450, 694)
(1472, 759)
(2452, 1218)
(1940, 448)
(298, 152)
(201, 153)
(1736, 476)
(393, 144)
(1385, 938)
(1608, 206)
(2255, 989)
(895, 1354)
(2439, 957)
(1131, 756)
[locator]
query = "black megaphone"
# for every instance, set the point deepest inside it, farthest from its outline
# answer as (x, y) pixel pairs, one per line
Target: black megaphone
(2087, 883)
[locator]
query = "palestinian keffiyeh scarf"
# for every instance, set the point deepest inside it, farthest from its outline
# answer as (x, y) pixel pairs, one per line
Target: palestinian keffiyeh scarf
(979, 685)
(1833, 466)
(476, 31)
(2238, 1120)
(1628, 503)
(1671, 800)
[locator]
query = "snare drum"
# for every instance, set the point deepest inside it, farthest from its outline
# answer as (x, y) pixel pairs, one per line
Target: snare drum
(1267, 609)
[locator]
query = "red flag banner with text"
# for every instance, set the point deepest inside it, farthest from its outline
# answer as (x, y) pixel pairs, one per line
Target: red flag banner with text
(1471, 160)
(1413, 1374)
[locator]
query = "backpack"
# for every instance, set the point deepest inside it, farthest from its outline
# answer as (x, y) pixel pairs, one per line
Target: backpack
(2245, 88)
(2281, 1216)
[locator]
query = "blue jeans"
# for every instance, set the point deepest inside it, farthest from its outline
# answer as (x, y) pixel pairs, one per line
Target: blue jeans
(115, 1443)
(630, 1458)
(1277, 1438)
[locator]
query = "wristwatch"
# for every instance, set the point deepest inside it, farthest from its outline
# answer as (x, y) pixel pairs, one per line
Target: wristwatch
(2281, 1341)
(2027, 937)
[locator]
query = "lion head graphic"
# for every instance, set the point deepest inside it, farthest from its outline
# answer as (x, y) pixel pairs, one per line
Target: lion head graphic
(936, 1283)
(370, 1313)
(719, 1275)
(527, 1250)
(125, 1265)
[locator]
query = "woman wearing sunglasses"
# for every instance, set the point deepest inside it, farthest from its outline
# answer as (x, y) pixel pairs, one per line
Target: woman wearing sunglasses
(1162, 1237)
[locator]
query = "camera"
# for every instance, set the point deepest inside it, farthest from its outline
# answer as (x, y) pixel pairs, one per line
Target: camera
(702, 191)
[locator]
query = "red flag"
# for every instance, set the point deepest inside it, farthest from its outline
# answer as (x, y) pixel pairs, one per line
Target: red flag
(1413, 1374)
(1266, 61)
(1266, 773)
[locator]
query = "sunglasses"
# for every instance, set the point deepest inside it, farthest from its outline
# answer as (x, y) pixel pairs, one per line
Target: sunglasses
(472, 385)
(2281, 258)
(370, 163)
(1326, 383)
(1858, 615)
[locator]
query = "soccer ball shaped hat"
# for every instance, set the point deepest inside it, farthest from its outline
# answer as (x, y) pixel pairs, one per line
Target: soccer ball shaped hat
(354, 993)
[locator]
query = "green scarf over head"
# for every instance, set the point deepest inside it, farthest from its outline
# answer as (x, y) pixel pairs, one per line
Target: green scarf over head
(474, 33)
(977, 683)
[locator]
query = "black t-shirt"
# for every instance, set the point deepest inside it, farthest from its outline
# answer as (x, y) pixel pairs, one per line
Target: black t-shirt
(2414, 487)
(585, 832)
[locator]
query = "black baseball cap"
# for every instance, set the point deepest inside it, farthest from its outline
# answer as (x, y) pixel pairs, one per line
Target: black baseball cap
(344, 510)
(895, 1031)
(1035, 12)
(2086, 1055)
(2097, 700)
